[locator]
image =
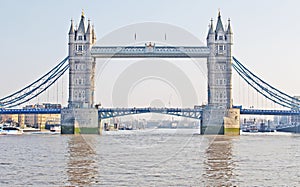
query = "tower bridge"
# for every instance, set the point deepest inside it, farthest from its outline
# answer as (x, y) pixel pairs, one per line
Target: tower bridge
(219, 113)
(219, 116)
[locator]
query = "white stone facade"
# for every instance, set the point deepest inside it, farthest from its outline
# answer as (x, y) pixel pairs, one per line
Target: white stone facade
(80, 113)
(219, 65)
(82, 66)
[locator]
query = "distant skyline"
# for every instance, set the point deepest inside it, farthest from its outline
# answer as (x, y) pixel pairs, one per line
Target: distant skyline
(34, 36)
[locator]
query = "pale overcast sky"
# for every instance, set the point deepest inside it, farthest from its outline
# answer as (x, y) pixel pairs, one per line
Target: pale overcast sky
(34, 39)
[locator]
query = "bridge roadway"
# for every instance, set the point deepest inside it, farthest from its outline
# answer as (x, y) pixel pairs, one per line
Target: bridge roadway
(269, 112)
(105, 113)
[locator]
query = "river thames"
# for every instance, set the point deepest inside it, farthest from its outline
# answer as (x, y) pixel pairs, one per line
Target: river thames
(153, 157)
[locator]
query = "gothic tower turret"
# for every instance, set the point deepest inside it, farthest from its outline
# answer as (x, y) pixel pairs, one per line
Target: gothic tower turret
(81, 116)
(71, 39)
(219, 65)
(82, 66)
(219, 117)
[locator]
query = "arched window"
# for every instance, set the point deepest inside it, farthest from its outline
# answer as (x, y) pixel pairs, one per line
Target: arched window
(75, 95)
(83, 94)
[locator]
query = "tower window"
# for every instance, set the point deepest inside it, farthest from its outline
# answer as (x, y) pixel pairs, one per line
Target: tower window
(221, 38)
(79, 37)
(221, 47)
(80, 48)
(83, 94)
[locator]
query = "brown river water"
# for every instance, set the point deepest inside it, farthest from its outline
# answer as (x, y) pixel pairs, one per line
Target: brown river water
(152, 157)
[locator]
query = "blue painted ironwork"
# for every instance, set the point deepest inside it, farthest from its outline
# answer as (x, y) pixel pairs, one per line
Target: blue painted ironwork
(149, 51)
(33, 90)
(269, 112)
(266, 89)
(105, 113)
(36, 88)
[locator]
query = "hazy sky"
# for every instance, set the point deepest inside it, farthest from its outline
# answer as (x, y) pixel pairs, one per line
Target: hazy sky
(34, 35)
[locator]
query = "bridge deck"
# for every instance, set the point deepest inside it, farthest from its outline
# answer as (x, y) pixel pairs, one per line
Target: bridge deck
(269, 112)
(150, 52)
(185, 112)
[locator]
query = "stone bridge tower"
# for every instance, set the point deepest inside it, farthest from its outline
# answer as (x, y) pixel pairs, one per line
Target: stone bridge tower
(81, 116)
(219, 116)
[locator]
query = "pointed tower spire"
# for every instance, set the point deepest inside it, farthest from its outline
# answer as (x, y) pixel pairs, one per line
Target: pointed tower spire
(93, 35)
(219, 26)
(81, 27)
(71, 27)
(211, 28)
(89, 30)
(229, 30)
(82, 13)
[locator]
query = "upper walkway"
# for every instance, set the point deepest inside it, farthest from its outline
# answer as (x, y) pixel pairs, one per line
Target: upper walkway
(150, 51)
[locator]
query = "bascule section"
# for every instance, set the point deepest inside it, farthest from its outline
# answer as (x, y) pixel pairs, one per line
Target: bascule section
(218, 116)
(80, 116)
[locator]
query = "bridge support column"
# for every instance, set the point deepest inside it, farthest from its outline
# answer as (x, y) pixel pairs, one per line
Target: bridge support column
(232, 122)
(79, 121)
(212, 121)
(220, 121)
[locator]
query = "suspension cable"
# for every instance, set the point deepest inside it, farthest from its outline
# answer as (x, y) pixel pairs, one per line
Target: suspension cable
(37, 87)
